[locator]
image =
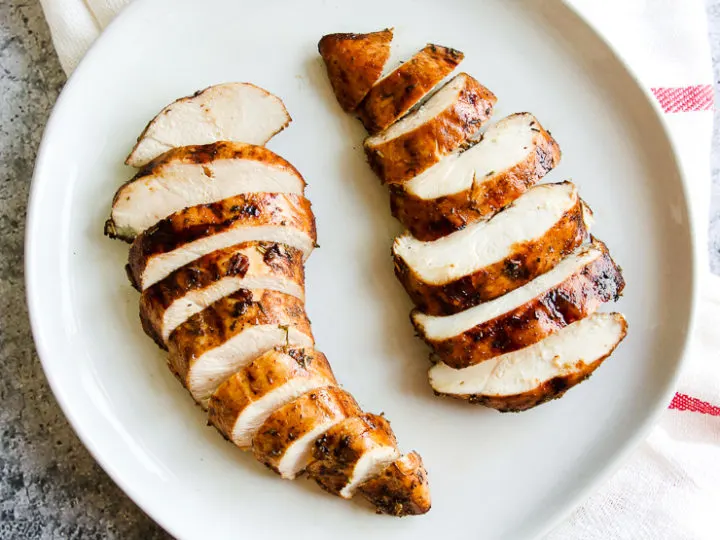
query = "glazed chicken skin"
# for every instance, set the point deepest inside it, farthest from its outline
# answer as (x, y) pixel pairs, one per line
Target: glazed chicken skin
(523, 379)
(421, 139)
(193, 175)
(571, 291)
(393, 96)
(512, 156)
(354, 63)
(220, 231)
(488, 259)
(195, 286)
(236, 112)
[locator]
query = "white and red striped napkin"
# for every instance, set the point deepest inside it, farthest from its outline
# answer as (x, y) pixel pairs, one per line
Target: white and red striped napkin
(670, 488)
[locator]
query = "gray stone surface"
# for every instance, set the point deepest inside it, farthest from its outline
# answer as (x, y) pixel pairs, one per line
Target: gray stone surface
(50, 487)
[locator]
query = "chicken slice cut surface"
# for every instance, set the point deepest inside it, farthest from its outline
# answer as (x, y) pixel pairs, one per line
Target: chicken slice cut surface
(401, 489)
(571, 291)
(193, 287)
(490, 258)
(223, 338)
(238, 112)
(192, 175)
(351, 452)
(394, 95)
(526, 378)
(421, 139)
(512, 156)
(286, 440)
(194, 232)
(354, 63)
(244, 401)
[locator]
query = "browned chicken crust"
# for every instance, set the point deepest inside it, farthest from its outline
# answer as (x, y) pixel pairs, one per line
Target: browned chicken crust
(397, 93)
(186, 226)
(298, 418)
(229, 317)
(337, 451)
(278, 259)
(527, 261)
(263, 375)
(354, 63)
(572, 300)
(430, 219)
(547, 391)
(406, 156)
(401, 489)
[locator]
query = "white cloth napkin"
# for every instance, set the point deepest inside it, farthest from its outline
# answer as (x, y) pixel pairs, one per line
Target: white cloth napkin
(670, 488)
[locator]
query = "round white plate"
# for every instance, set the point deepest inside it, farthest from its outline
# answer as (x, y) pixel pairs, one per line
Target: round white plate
(492, 475)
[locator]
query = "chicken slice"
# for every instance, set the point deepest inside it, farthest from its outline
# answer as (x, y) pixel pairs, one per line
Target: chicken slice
(352, 452)
(191, 233)
(243, 402)
(571, 291)
(393, 96)
(401, 489)
(354, 63)
(223, 338)
(238, 112)
(512, 156)
(523, 379)
(286, 440)
(193, 287)
(193, 175)
(490, 258)
(422, 138)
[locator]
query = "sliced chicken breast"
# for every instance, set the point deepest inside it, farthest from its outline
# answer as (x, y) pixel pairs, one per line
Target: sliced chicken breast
(512, 156)
(354, 63)
(286, 440)
(352, 452)
(193, 175)
(520, 380)
(243, 402)
(571, 291)
(422, 138)
(191, 233)
(393, 96)
(223, 338)
(401, 489)
(193, 287)
(238, 112)
(488, 259)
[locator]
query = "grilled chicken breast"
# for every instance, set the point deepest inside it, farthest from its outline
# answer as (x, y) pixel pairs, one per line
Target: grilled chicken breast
(239, 112)
(512, 156)
(488, 259)
(571, 291)
(354, 63)
(422, 138)
(223, 338)
(352, 452)
(393, 96)
(191, 233)
(243, 402)
(286, 440)
(192, 175)
(193, 287)
(401, 489)
(523, 379)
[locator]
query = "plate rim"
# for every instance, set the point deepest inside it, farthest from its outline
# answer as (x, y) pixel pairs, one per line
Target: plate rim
(138, 495)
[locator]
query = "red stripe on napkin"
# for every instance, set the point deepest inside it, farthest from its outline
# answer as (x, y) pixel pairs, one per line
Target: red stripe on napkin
(685, 99)
(683, 402)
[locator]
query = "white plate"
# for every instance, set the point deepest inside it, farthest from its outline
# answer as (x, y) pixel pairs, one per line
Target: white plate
(493, 475)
